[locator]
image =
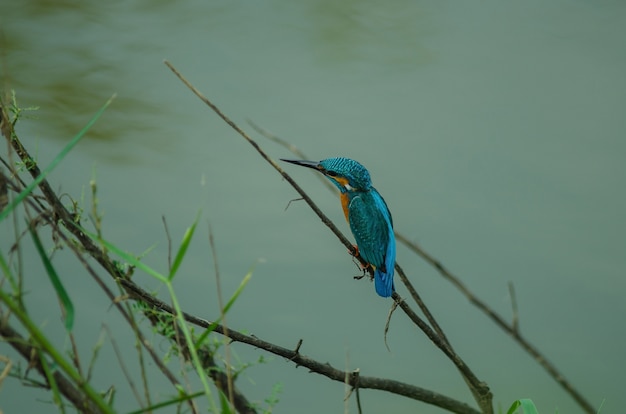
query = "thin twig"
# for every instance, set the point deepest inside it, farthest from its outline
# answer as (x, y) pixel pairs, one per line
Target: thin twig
(220, 302)
(356, 381)
(515, 319)
(353, 377)
(120, 360)
(292, 148)
(394, 306)
(6, 370)
(75, 356)
(169, 244)
(298, 345)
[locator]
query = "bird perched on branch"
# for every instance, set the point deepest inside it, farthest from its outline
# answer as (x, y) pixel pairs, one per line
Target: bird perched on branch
(366, 213)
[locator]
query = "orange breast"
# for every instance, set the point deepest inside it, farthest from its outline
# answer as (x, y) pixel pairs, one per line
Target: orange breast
(345, 201)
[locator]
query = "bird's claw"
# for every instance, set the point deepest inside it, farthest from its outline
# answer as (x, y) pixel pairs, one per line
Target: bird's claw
(368, 270)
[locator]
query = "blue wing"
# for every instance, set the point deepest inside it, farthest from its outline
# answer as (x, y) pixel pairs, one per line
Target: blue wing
(372, 227)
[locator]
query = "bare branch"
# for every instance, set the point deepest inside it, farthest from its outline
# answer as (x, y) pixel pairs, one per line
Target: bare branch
(396, 387)
(515, 319)
(512, 329)
(479, 389)
(499, 321)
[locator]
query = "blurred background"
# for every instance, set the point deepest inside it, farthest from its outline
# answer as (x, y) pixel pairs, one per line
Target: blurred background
(494, 130)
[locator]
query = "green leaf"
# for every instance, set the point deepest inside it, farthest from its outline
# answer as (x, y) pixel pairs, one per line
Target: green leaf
(183, 247)
(18, 199)
(527, 405)
(56, 281)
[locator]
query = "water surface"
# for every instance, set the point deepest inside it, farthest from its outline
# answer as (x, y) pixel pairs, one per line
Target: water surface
(495, 132)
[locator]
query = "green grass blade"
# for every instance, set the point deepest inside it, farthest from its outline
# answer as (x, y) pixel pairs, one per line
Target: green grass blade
(230, 303)
(225, 406)
(527, 405)
(130, 259)
(202, 374)
(182, 250)
(178, 312)
(240, 288)
(6, 271)
(167, 403)
(18, 199)
(55, 280)
(57, 357)
(56, 395)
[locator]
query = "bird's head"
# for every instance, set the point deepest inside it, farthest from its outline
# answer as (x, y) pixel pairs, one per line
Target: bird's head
(347, 174)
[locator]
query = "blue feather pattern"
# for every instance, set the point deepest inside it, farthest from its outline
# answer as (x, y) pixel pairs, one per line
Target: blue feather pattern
(367, 214)
(372, 227)
(369, 218)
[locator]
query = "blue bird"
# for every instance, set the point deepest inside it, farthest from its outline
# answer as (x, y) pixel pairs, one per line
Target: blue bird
(367, 214)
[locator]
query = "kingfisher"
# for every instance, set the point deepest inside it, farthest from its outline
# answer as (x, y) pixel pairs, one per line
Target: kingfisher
(367, 214)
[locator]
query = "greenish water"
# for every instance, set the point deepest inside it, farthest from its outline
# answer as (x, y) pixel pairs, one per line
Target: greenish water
(495, 131)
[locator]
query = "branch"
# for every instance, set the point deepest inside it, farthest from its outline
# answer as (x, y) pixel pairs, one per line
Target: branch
(294, 150)
(222, 381)
(82, 403)
(479, 390)
(511, 329)
(395, 387)
(60, 216)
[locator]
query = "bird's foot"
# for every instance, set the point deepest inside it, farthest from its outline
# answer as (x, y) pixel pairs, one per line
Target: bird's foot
(367, 270)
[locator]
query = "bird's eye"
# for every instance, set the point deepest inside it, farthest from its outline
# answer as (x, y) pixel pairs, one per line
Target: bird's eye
(331, 173)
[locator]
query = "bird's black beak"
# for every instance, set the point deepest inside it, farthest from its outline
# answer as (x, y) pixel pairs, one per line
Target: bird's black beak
(302, 163)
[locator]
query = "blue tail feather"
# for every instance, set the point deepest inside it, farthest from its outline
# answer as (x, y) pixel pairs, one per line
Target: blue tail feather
(383, 282)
